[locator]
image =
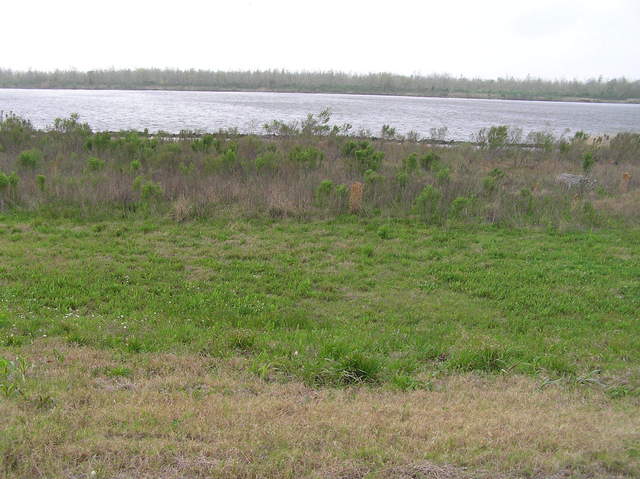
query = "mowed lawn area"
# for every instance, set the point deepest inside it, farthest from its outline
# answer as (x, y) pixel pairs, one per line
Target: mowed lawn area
(344, 348)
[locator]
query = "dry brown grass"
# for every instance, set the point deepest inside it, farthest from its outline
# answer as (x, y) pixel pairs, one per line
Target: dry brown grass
(182, 209)
(187, 416)
(356, 191)
(622, 205)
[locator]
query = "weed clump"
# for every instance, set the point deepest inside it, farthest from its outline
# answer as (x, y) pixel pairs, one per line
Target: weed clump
(30, 159)
(4, 181)
(269, 160)
(342, 366)
(427, 203)
(40, 181)
(149, 190)
(362, 155)
(309, 156)
(429, 161)
(323, 192)
(485, 359)
(205, 144)
(95, 164)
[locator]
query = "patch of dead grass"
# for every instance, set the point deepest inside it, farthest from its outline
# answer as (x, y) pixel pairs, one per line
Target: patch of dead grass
(188, 416)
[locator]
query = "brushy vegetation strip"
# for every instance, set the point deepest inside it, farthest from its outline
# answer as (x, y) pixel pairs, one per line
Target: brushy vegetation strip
(617, 89)
(315, 169)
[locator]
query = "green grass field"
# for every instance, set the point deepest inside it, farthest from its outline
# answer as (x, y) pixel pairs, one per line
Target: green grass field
(379, 307)
(330, 302)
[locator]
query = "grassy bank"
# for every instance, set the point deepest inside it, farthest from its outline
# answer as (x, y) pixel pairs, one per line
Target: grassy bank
(311, 304)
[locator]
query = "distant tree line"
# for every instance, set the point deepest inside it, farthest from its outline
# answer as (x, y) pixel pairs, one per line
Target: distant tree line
(600, 89)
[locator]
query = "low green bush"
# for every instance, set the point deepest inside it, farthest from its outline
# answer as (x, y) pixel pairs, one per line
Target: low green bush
(427, 203)
(95, 164)
(308, 156)
(40, 181)
(429, 161)
(30, 158)
(323, 192)
(363, 155)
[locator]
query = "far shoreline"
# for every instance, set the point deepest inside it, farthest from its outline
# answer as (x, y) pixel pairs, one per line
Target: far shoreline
(353, 93)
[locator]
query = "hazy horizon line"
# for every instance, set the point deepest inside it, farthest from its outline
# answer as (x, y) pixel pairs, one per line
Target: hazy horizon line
(529, 77)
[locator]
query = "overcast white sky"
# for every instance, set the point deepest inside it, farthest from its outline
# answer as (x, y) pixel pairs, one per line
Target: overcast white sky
(485, 38)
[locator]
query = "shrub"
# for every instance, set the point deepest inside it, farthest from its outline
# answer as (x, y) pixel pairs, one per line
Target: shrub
(429, 161)
(350, 147)
(309, 156)
(269, 160)
(588, 161)
(95, 164)
(229, 158)
(173, 148)
(30, 158)
(150, 191)
(413, 136)
(225, 161)
(625, 147)
(541, 139)
(372, 178)
(497, 137)
(388, 132)
(525, 201)
(135, 165)
(490, 182)
(402, 178)
(71, 125)
(205, 143)
(40, 181)
(443, 176)
(363, 155)
(410, 163)
(460, 206)
(14, 131)
(4, 181)
(427, 202)
(342, 196)
(98, 142)
(14, 179)
(323, 192)
(137, 183)
(580, 136)
(369, 159)
(497, 173)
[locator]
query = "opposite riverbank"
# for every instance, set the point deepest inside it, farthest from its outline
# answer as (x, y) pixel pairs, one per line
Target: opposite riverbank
(618, 90)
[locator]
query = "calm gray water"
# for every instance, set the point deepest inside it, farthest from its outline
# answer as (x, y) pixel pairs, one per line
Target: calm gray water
(173, 111)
